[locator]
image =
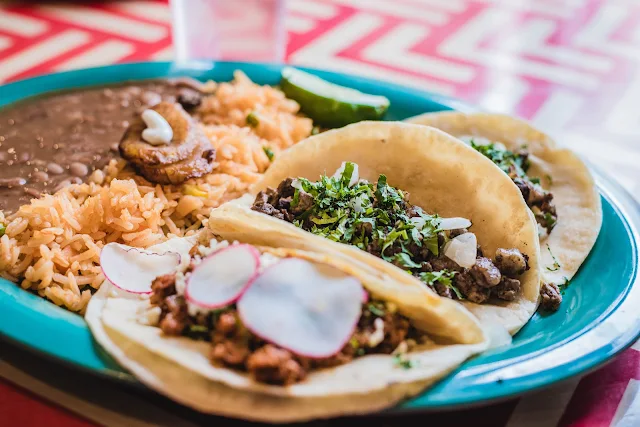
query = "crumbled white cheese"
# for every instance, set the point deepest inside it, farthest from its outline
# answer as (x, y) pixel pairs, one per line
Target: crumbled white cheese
(147, 314)
(378, 334)
(214, 245)
(267, 259)
(180, 283)
(158, 131)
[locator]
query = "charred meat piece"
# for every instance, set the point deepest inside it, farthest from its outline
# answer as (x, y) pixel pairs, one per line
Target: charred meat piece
(485, 273)
(230, 352)
(189, 154)
(175, 317)
(162, 287)
(471, 290)
(511, 262)
(272, 365)
(550, 297)
(507, 289)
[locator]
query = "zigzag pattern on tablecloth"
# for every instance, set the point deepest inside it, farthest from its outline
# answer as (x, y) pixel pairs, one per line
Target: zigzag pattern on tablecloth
(571, 66)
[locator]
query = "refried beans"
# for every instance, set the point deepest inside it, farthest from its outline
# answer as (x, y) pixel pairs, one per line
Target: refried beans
(50, 141)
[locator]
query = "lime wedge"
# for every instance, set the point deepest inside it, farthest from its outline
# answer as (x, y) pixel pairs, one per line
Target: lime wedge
(328, 104)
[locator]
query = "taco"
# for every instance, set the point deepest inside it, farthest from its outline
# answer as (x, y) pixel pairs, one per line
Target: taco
(404, 199)
(266, 333)
(554, 181)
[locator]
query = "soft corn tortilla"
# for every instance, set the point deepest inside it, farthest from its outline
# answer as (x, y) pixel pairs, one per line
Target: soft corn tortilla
(442, 175)
(179, 367)
(576, 197)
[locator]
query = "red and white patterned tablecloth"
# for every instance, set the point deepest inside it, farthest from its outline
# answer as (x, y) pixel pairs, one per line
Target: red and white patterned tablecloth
(570, 66)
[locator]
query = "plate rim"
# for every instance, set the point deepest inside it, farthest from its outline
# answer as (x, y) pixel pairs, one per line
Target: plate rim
(626, 206)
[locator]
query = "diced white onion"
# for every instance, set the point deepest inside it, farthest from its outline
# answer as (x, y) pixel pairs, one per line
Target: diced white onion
(354, 176)
(418, 221)
(454, 223)
(356, 204)
(297, 184)
(462, 250)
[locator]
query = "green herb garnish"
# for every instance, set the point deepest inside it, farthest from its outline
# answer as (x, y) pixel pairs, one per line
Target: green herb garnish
(549, 220)
(252, 120)
(371, 216)
(556, 265)
(403, 361)
(444, 277)
(376, 311)
(198, 331)
(514, 165)
(354, 342)
(564, 285)
(2, 229)
(535, 180)
(549, 179)
(268, 152)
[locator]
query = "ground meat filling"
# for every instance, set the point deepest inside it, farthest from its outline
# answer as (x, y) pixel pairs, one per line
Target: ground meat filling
(380, 330)
(497, 278)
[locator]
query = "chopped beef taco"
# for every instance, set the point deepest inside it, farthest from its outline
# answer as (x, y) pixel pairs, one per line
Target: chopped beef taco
(554, 182)
(267, 333)
(407, 200)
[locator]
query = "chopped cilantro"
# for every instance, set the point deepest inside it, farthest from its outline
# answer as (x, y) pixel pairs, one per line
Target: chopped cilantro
(2, 229)
(268, 152)
(513, 164)
(377, 311)
(404, 260)
(252, 120)
(535, 180)
(556, 265)
(403, 361)
(360, 352)
(549, 220)
(564, 285)
(198, 331)
(371, 216)
(444, 277)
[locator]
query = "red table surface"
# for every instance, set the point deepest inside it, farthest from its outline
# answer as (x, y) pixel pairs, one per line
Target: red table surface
(570, 66)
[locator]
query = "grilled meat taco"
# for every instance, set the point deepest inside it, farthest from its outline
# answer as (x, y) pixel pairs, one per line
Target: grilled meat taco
(554, 182)
(267, 333)
(409, 201)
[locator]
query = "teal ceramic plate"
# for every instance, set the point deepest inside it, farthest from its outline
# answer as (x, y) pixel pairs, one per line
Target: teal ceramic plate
(598, 318)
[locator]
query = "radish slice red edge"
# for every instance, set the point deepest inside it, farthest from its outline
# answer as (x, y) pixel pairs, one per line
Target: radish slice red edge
(222, 277)
(309, 309)
(134, 270)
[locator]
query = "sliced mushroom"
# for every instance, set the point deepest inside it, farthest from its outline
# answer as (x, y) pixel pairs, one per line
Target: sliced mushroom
(190, 153)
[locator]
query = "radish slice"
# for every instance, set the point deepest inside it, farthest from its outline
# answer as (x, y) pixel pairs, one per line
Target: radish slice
(223, 276)
(365, 296)
(454, 223)
(462, 249)
(132, 269)
(307, 308)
